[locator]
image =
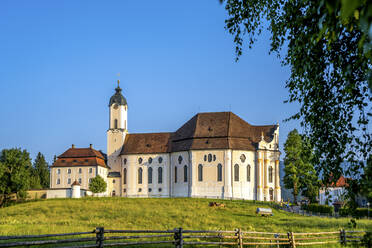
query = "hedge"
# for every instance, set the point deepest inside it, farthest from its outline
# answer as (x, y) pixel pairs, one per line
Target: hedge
(316, 208)
(359, 212)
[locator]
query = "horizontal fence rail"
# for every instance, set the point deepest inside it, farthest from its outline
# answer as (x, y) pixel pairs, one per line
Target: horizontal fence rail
(179, 238)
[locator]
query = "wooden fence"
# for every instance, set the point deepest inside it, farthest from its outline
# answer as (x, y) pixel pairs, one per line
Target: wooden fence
(179, 238)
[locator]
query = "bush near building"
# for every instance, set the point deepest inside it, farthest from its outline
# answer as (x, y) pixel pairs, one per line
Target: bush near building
(317, 208)
(358, 213)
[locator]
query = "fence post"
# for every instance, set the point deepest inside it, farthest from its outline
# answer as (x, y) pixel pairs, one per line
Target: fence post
(291, 240)
(277, 241)
(100, 236)
(342, 237)
(178, 239)
(238, 235)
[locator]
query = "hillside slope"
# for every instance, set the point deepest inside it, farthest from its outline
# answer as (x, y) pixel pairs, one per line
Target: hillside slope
(70, 215)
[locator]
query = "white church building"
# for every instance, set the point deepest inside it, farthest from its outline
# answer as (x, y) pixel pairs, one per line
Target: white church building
(215, 155)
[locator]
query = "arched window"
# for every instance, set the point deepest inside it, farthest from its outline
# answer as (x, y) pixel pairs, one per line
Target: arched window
(140, 176)
(248, 173)
(185, 173)
(209, 157)
(125, 175)
(116, 123)
(175, 174)
(270, 174)
(200, 172)
(219, 172)
(160, 175)
(149, 175)
(236, 173)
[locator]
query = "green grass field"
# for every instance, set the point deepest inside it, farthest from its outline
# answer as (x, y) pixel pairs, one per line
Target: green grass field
(72, 215)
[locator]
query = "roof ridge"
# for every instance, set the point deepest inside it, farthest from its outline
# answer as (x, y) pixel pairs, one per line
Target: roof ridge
(152, 133)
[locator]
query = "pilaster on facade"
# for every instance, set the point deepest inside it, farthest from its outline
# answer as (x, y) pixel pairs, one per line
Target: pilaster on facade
(265, 175)
(191, 176)
(277, 182)
(228, 175)
(259, 176)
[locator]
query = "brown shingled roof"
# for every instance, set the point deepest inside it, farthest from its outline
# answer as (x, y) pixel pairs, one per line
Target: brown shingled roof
(146, 143)
(218, 130)
(80, 157)
(81, 153)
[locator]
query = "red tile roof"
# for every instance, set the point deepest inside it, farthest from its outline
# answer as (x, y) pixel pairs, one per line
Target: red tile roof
(80, 157)
(341, 182)
(81, 153)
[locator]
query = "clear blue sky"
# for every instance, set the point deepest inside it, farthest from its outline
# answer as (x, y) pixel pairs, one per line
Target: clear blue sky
(59, 62)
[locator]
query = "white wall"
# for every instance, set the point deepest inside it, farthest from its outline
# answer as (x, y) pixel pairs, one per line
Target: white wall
(334, 194)
(59, 193)
(154, 189)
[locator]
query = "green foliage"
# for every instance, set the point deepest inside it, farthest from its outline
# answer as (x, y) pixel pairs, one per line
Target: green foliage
(367, 240)
(15, 173)
(366, 181)
(317, 208)
(327, 47)
(357, 213)
(300, 174)
(41, 169)
(352, 224)
(97, 185)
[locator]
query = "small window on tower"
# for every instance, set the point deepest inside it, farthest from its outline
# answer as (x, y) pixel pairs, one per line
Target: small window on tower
(116, 123)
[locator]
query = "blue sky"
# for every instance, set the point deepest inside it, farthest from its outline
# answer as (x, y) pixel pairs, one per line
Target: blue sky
(59, 62)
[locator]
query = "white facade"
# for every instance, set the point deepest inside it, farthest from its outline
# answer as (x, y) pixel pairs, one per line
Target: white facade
(328, 196)
(183, 179)
(214, 173)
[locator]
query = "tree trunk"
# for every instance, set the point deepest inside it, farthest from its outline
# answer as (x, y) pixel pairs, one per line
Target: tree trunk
(295, 193)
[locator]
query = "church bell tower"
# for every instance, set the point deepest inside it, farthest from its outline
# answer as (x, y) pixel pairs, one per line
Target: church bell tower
(118, 127)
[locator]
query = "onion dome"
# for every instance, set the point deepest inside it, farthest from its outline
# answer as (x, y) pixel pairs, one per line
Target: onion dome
(118, 98)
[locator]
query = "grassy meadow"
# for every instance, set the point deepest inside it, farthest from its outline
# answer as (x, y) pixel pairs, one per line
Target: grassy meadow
(72, 215)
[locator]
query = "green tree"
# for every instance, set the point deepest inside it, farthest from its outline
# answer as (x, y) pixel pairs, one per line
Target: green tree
(327, 45)
(41, 168)
(366, 181)
(15, 167)
(309, 178)
(293, 163)
(300, 175)
(97, 185)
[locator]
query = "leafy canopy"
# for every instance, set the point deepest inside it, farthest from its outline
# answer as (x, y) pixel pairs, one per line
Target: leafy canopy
(15, 173)
(327, 45)
(299, 171)
(41, 169)
(97, 185)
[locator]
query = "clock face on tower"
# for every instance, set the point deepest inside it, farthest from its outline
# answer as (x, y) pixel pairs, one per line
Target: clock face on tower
(116, 106)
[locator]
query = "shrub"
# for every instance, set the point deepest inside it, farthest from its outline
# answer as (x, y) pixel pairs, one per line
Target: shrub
(97, 185)
(358, 213)
(324, 209)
